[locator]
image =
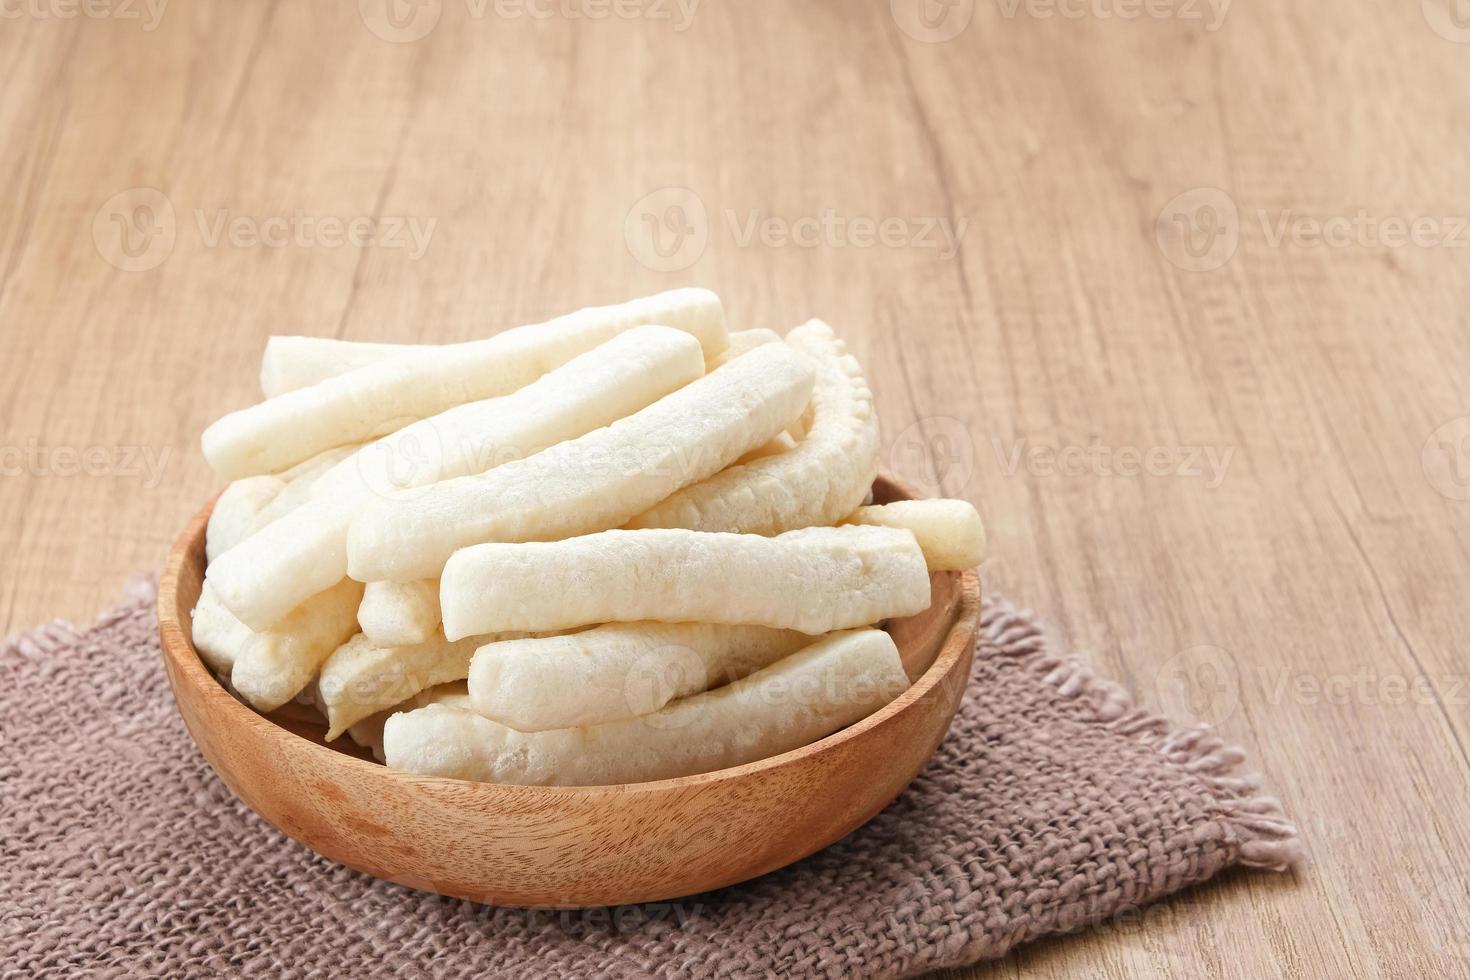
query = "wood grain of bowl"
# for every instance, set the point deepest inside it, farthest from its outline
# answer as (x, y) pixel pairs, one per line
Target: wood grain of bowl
(571, 846)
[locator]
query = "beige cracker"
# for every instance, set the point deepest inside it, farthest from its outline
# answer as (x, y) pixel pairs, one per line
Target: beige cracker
(365, 403)
(814, 580)
(619, 670)
(275, 666)
(369, 732)
(821, 689)
(360, 679)
(949, 532)
(250, 504)
(399, 614)
(298, 362)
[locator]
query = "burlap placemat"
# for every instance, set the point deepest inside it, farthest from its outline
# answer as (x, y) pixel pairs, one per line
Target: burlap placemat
(1051, 805)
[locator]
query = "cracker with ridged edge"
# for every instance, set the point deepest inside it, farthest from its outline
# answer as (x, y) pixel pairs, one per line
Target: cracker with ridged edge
(822, 479)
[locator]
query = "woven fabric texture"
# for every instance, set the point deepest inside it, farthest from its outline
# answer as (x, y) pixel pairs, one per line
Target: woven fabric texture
(1052, 804)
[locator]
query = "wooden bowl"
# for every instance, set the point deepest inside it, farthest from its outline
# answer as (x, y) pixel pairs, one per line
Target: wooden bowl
(571, 846)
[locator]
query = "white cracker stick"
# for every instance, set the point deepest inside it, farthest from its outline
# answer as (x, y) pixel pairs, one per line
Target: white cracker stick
(300, 481)
(299, 362)
(292, 362)
(741, 342)
(818, 482)
(369, 732)
(814, 580)
(250, 504)
(359, 679)
(399, 614)
(304, 551)
(744, 341)
(819, 690)
(619, 670)
(949, 531)
(594, 482)
(218, 636)
(364, 403)
(236, 513)
(307, 471)
(276, 665)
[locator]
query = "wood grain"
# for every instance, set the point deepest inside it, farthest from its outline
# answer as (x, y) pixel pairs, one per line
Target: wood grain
(578, 846)
(1308, 599)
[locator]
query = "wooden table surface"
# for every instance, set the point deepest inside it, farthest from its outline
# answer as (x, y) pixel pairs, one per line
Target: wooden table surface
(1174, 292)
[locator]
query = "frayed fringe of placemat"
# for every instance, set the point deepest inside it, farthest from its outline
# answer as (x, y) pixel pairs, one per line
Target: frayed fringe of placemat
(1256, 824)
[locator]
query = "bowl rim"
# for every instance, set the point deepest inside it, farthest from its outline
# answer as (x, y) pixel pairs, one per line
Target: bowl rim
(177, 646)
